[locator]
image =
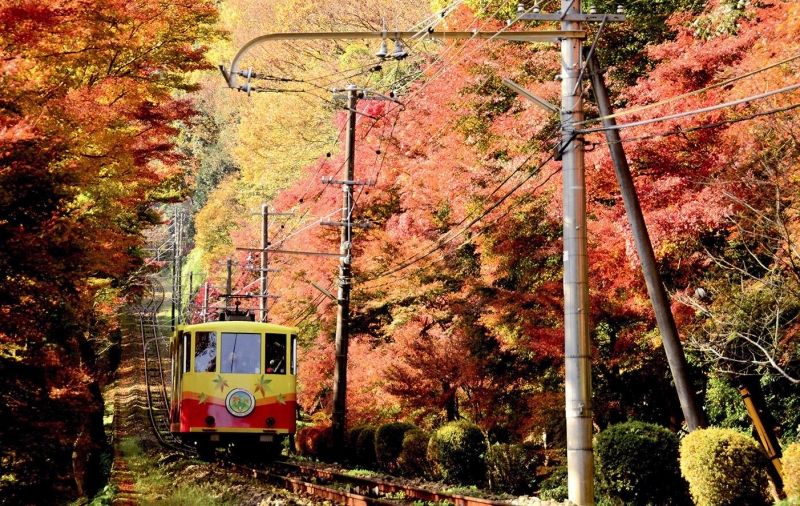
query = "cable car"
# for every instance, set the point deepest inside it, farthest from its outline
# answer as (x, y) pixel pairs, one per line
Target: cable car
(234, 386)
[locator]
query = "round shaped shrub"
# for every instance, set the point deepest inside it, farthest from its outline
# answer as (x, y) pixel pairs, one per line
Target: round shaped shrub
(791, 471)
(352, 443)
(724, 467)
(509, 469)
(637, 463)
(413, 458)
(457, 451)
(315, 441)
(389, 443)
(365, 447)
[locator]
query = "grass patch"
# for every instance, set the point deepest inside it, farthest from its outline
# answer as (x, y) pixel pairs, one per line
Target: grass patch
(361, 473)
(157, 484)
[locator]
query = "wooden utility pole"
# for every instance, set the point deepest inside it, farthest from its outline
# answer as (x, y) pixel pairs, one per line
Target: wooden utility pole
(644, 247)
(228, 283)
(205, 303)
(343, 298)
(263, 303)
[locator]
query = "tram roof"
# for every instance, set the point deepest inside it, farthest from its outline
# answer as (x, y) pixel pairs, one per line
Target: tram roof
(239, 326)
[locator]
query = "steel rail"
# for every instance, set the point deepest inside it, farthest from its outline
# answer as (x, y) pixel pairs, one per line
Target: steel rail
(385, 487)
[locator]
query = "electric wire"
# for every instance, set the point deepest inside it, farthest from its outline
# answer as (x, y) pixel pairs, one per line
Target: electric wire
(724, 83)
(693, 112)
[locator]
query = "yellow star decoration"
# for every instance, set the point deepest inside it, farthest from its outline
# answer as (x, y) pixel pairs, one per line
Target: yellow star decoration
(202, 398)
(263, 385)
(221, 382)
(281, 400)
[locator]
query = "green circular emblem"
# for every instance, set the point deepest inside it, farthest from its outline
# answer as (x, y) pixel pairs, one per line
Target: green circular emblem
(240, 402)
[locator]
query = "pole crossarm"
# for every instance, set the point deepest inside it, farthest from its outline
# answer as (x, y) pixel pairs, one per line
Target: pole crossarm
(293, 252)
(522, 36)
(557, 16)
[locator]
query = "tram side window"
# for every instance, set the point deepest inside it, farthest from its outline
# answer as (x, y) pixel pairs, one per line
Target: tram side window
(294, 354)
(205, 352)
(241, 353)
(276, 354)
(186, 340)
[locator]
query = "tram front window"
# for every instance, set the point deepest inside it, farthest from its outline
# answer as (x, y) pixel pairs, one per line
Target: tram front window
(205, 352)
(241, 353)
(276, 354)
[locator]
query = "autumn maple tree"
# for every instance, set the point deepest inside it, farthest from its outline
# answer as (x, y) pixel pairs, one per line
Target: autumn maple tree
(91, 97)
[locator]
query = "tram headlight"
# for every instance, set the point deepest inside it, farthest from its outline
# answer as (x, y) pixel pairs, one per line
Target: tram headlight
(270, 422)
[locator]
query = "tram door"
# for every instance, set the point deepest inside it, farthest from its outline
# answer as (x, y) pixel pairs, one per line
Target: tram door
(180, 366)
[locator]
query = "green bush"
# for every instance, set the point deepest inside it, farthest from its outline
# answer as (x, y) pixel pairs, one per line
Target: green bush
(637, 463)
(509, 468)
(724, 467)
(457, 451)
(791, 471)
(389, 444)
(352, 444)
(555, 487)
(413, 458)
(365, 447)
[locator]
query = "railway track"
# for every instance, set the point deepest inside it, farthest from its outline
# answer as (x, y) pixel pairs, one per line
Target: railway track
(155, 351)
(353, 490)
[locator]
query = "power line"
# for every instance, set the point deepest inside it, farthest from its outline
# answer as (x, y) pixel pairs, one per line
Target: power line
(716, 124)
(692, 112)
(691, 93)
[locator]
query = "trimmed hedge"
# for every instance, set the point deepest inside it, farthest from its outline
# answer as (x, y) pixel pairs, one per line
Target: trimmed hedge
(352, 443)
(458, 451)
(365, 447)
(724, 468)
(791, 471)
(413, 458)
(389, 444)
(509, 468)
(637, 463)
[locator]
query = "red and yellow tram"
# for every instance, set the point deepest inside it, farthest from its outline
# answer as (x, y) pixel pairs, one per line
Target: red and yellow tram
(234, 385)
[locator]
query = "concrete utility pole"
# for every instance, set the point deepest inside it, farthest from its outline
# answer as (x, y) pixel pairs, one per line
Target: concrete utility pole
(644, 247)
(343, 308)
(577, 347)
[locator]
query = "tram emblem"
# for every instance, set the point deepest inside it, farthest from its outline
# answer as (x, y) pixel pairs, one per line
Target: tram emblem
(240, 402)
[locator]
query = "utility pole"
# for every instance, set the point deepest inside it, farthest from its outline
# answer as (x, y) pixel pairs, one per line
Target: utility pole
(263, 304)
(228, 289)
(577, 347)
(264, 270)
(644, 247)
(205, 303)
(188, 316)
(175, 263)
(343, 308)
